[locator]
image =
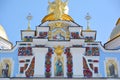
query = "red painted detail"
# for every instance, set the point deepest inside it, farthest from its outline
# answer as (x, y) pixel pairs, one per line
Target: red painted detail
(69, 63)
(87, 73)
(30, 71)
(21, 61)
(95, 61)
(48, 63)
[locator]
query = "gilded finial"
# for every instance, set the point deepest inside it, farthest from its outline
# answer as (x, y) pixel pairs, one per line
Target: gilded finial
(29, 18)
(88, 17)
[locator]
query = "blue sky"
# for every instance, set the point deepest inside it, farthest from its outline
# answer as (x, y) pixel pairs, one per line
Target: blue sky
(104, 15)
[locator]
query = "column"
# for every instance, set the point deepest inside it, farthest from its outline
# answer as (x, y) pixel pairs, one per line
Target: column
(40, 54)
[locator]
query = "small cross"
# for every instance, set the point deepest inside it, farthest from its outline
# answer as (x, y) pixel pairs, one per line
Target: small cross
(29, 18)
(88, 17)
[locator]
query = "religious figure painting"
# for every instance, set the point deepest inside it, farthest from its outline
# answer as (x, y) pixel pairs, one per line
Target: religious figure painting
(58, 67)
(58, 37)
(58, 34)
(112, 68)
(5, 68)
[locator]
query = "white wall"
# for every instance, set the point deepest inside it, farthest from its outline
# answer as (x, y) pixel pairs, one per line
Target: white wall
(77, 54)
(39, 54)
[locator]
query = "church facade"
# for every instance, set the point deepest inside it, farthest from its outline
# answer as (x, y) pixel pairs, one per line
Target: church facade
(60, 48)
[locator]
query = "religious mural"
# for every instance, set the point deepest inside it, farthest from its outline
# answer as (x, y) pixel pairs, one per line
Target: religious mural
(111, 68)
(59, 66)
(5, 68)
(59, 61)
(58, 34)
(59, 31)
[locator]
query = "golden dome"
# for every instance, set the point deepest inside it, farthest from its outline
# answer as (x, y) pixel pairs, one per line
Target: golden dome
(3, 33)
(50, 17)
(118, 22)
(116, 30)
